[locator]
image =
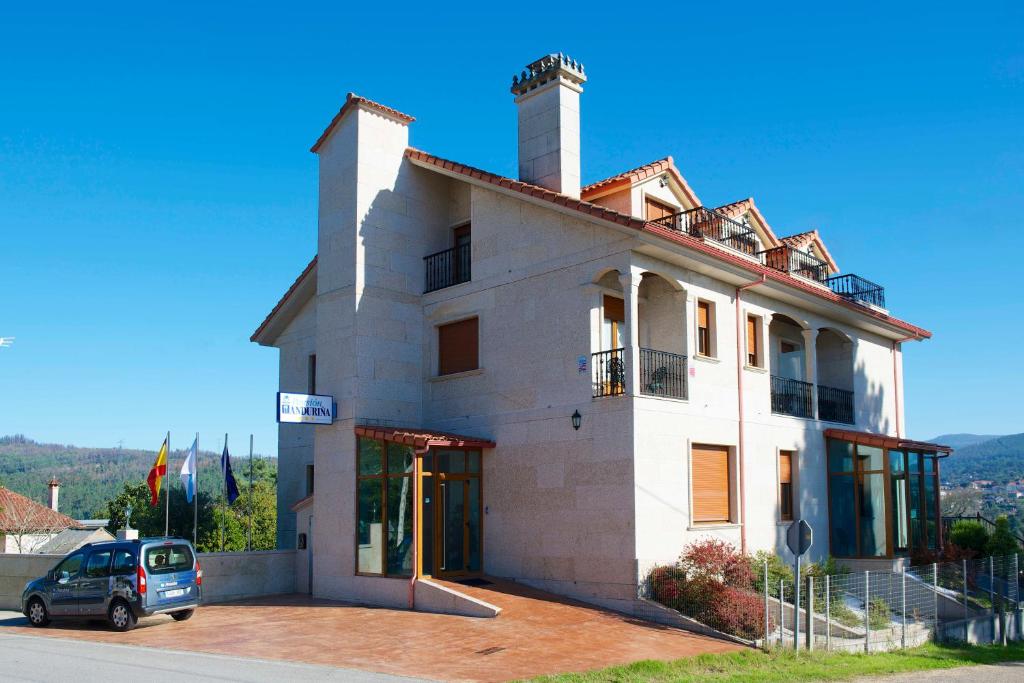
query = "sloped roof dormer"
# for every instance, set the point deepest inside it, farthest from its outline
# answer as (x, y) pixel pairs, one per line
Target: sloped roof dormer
(746, 208)
(625, 192)
(812, 243)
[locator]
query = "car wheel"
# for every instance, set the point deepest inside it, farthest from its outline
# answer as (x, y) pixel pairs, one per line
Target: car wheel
(37, 614)
(120, 616)
(183, 615)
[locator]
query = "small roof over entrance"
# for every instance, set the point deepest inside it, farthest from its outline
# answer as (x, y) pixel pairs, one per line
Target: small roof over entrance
(870, 439)
(422, 438)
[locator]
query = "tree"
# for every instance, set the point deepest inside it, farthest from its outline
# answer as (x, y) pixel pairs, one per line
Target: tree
(970, 535)
(961, 503)
(1002, 541)
(31, 525)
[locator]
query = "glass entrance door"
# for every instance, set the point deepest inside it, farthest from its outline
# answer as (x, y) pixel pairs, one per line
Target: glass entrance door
(457, 514)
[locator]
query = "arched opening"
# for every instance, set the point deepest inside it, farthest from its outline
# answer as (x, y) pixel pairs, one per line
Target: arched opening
(834, 353)
(791, 392)
(662, 337)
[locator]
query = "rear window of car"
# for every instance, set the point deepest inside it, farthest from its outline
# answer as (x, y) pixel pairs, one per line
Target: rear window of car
(165, 559)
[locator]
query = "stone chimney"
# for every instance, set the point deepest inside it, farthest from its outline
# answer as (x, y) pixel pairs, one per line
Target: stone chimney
(54, 493)
(548, 96)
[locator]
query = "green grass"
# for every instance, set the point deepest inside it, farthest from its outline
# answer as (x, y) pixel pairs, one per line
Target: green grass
(785, 665)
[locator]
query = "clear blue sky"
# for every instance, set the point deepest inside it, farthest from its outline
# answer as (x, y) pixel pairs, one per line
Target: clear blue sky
(157, 195)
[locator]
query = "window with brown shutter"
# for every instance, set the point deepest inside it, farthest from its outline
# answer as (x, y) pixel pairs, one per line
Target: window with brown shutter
(655, 209)
(703, 328)
(786, 486)
(458, 347)
(709, 481)
(753, 352)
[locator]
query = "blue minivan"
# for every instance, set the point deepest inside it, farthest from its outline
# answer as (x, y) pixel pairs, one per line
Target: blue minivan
(119, 580)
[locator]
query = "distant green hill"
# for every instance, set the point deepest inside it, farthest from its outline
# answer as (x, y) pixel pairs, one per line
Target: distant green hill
(1000, 459)
(90, 477)
(963, 440)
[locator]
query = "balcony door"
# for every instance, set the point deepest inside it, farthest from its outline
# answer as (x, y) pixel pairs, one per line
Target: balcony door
(789, 362)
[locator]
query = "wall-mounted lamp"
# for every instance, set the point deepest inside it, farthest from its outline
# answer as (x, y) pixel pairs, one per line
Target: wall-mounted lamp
(577, 419)
(663, 181)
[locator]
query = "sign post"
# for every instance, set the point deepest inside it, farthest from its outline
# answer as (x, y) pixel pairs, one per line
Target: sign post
(799, 538)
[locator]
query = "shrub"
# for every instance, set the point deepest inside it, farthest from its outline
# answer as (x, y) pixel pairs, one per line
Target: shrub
(879, 614)
(970, 535)
(777, 571)
(1002, 541)
(716, 560)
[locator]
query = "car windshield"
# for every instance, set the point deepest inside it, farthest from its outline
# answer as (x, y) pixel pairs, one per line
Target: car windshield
(165, 559)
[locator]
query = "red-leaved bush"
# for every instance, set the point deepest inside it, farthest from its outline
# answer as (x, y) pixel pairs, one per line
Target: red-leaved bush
(712, 583)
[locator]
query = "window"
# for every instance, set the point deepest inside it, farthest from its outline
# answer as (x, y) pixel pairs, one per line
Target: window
(655, 209)
(712, 494)
(458, 347)
(384, 537)
(309, 480)
(124, 563)
(98, 565)
(614, 321)
(754, 341)
(69, 566)
(311, 379)
(705, 328)
(786, 486)
(167, 559)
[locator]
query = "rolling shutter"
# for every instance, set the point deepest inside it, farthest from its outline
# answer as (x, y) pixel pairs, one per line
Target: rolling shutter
(458, 347)
(703, 308)
(656, 209)
(710, 483)
(753, 357)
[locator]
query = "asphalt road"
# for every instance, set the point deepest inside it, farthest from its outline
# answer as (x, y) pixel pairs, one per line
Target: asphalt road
(44, 659)
(1001, 673)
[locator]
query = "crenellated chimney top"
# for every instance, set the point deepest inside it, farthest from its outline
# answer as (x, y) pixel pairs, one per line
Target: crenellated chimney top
(548, 96)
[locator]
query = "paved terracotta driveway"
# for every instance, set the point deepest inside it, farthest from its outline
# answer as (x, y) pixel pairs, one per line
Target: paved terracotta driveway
(535, 634)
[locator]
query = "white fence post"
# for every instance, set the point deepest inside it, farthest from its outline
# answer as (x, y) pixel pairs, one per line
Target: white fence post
(903, 600)
(766, 619)
(810, 613)
(782, 613)
(867, 611)
(828, 613)
(935, 600)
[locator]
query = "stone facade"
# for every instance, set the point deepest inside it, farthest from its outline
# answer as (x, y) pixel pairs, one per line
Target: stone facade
(581, 512)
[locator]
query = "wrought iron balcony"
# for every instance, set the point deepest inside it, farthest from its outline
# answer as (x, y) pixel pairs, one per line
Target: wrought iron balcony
(662, 373)
(447, 268)
(792, 397)
(856, 288)
(709, 224)
(795, 262)
(609, 372)
(835, 405)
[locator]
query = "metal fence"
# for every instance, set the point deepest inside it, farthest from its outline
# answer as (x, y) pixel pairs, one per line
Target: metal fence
(866, 611)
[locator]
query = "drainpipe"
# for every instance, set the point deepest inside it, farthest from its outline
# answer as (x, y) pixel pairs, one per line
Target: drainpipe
(417, 470)
(740, 450)
(896, 380)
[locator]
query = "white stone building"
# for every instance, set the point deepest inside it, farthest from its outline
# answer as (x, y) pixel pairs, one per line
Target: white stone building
(565, 385)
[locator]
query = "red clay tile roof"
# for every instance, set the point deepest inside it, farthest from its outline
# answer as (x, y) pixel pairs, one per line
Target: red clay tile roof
(419, 438)
(639, 173)
(283, 299)
(802, 239)
(694, 243)
(743, 206)
(869, 439)
(525, 188)
(24, 515)
(352, 100)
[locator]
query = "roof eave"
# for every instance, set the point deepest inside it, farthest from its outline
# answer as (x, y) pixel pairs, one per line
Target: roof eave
(301, 291)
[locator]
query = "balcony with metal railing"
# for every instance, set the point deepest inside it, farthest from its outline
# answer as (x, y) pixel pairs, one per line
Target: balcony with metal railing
(709, 224)
(856, 288)
(662, 373)
(447, 268)
(795, 262)
(835, 405)
(792, 397)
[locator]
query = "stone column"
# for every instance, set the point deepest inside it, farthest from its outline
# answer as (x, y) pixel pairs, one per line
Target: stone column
(631, 295)
(811, 366)
(690, 347)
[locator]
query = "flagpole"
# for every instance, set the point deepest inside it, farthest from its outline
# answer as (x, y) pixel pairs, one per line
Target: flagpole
(167, 483)
(224, 479)
(195, 496)
(249, 542)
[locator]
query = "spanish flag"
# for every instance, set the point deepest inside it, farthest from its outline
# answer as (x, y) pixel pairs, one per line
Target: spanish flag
(156, 475)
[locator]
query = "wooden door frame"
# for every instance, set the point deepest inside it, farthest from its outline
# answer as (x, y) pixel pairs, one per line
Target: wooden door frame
(465, 477)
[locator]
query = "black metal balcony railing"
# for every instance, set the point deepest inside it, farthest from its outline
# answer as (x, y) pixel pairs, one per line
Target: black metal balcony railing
(609, 373)
(662, 373)
(835, 405)
(856, 288)
(795, 262)
(447, 268)
(709, 224)
(792, 397)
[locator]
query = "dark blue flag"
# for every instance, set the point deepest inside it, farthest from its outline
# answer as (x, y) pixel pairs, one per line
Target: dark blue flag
(229, 478)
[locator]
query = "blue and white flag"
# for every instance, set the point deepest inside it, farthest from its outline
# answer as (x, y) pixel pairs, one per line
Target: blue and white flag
(230, 487)
(188, 471)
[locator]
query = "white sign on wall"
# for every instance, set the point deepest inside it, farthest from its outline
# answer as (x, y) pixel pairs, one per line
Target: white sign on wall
(305, 408)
